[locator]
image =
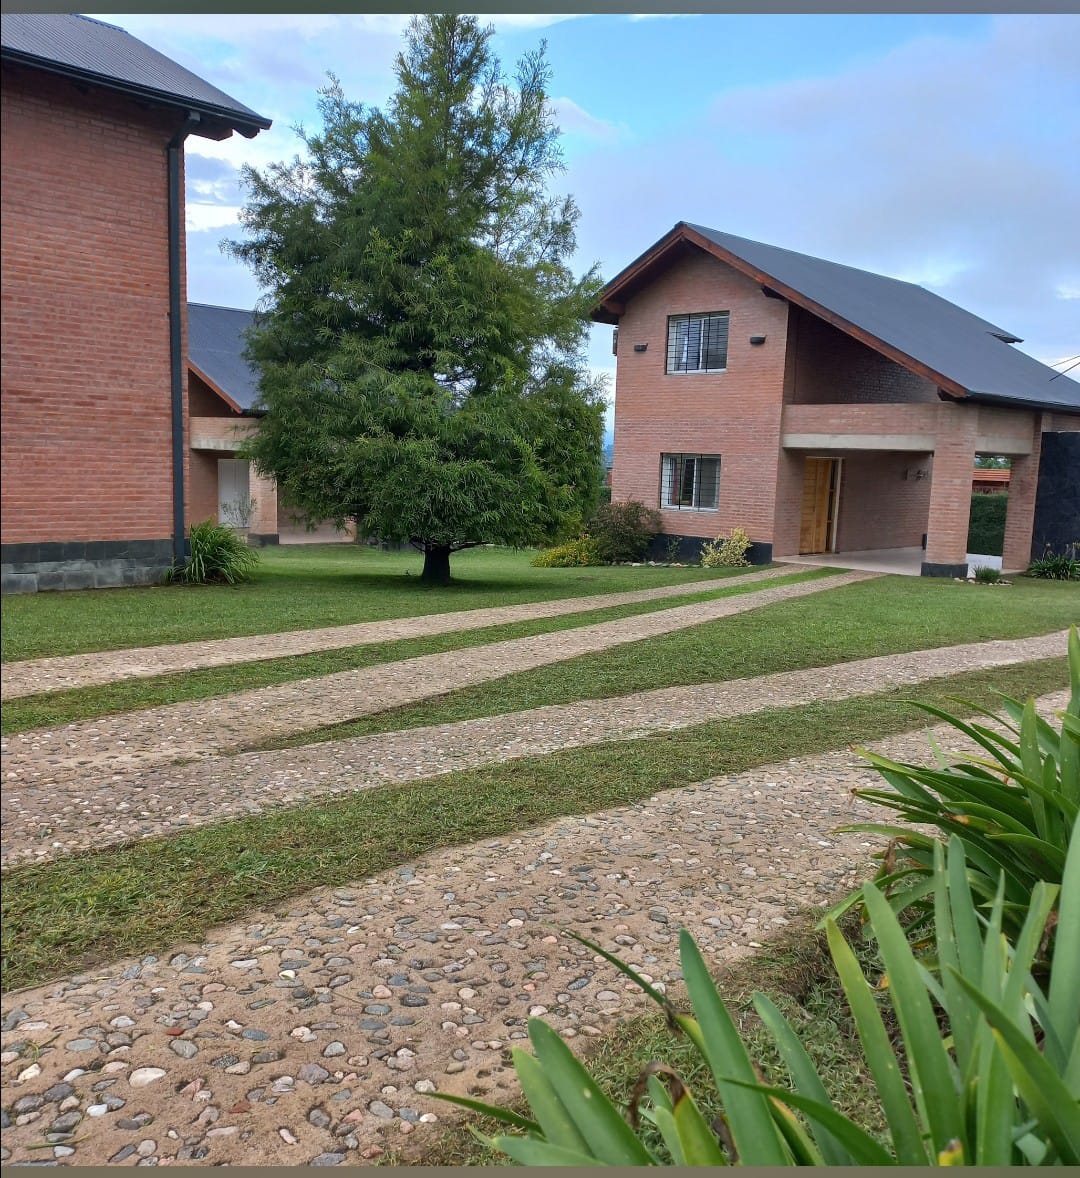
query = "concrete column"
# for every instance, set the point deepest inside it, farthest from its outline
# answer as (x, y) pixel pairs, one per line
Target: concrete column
(264, 524)
(1020, 517)
(950, 491)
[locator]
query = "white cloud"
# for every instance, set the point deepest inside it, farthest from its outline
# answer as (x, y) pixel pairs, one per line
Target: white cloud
(1068, 290)
(203, 217)
(575, 120)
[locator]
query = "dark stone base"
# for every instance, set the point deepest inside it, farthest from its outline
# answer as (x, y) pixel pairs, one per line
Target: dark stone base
(263, 539)
(944, 570)
(689, 551)
(79, 564)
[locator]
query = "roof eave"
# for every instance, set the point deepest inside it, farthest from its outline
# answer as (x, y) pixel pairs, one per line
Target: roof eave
(1022, 402)
(220, 123)
(610, 298)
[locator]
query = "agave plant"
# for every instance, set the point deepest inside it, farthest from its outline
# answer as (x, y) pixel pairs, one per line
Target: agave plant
(1014, 809)
(999, 1086)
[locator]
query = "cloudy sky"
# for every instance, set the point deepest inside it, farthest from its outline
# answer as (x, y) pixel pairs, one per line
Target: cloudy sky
(944, 150)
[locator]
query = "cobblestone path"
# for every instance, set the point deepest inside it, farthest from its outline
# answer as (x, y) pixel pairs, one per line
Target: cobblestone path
(85, 751)
(62, 673)
(40, 822)
(317, 1033)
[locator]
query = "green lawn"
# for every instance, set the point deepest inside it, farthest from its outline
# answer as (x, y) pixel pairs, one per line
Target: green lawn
(298, 588)
(140, 898)
(62, 707)
(887, 615)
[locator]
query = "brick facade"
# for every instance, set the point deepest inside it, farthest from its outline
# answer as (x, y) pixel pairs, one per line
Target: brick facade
(808, 390)
(735, 413)
(87, 440)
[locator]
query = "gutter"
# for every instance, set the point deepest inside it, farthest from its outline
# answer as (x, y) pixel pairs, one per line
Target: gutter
(174, 155)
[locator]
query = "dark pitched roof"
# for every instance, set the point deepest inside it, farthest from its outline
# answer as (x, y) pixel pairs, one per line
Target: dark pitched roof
(92, 51)
(216, 348)
(966, 355)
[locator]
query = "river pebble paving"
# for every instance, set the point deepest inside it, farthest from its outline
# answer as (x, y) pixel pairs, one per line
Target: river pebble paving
(42, 823)
(317, 1034)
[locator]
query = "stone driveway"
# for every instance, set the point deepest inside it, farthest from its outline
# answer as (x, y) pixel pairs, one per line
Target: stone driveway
(87, 670)
(73, 754)
(317, 1033)
(41, 823)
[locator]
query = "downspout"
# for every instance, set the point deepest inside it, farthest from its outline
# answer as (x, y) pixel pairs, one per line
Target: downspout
(176, 338)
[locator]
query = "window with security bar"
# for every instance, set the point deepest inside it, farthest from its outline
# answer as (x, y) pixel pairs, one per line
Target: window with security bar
(698, 343)
(690, 481)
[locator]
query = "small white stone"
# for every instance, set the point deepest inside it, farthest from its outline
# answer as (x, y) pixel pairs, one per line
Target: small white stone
(30, 1073)
(140, 1077)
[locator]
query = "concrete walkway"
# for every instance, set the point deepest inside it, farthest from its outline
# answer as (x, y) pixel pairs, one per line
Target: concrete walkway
(87, 670)
(40, 823)
(83, 752)
(316, 1033)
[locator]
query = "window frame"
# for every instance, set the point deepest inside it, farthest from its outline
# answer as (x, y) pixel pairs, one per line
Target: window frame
(702, 317)
(678, 467)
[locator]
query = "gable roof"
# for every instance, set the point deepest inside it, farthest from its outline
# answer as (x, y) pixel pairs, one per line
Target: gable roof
(966, 356)
(216, 342)
(91, 51)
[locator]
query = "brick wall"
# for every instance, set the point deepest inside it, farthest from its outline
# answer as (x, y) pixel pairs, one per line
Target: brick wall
(203, 401)
(882, 502)
(86, 416)
(829, 367)
(735, 414)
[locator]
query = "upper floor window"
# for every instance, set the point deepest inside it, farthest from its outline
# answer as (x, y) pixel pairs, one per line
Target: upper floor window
(697, 343)
(690, 480)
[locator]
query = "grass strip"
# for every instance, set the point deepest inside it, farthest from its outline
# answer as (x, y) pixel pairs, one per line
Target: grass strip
(131, 695)
(61, 917)
(301, 587)
(793, 968)
(888, 615)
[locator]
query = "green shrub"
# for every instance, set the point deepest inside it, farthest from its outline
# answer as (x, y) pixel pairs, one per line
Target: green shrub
(726, 551)
(572, 554)
(983, 1070)
(622, 531)
(986, 527)
(1064, 566)
(1014, 809)
(986, 575)
(216, 554)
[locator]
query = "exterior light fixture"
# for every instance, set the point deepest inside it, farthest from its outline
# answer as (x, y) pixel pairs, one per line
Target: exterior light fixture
(757, 340)
(641, 347)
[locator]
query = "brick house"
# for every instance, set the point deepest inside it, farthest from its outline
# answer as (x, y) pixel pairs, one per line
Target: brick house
(826, 409)
(222, 393)
(94, 338)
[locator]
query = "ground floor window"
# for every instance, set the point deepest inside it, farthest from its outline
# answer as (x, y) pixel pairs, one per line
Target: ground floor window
(690, 480)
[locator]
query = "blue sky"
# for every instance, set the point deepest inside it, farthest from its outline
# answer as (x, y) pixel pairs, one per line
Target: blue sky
(940, 149)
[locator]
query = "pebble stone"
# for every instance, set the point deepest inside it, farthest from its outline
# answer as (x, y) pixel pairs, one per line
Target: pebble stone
(112, 748)
(683, 852)
(144, 804)
(84, 670)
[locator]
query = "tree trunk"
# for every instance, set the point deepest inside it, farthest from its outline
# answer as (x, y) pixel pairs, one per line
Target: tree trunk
(436, 565)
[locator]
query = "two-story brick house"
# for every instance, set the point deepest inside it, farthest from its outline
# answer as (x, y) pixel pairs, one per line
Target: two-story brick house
(95, 461)
(825, 409)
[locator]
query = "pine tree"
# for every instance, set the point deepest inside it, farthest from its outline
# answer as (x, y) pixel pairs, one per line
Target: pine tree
(421, 350)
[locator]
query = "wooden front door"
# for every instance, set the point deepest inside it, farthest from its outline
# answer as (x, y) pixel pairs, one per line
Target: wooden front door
(821, 482)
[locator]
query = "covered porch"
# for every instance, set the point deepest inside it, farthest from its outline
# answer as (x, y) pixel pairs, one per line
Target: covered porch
(888, 487)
